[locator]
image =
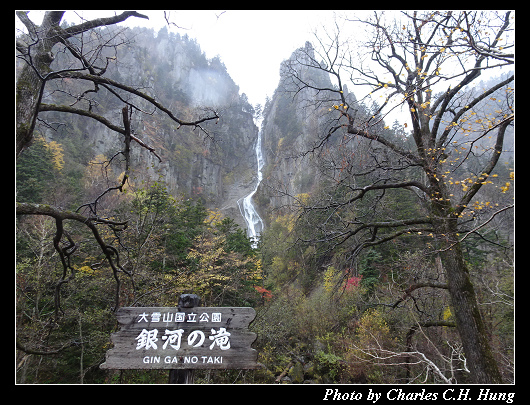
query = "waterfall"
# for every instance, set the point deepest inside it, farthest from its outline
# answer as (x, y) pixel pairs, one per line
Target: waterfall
(252, 218)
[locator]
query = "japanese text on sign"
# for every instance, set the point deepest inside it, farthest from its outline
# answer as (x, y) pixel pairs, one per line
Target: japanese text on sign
(148, 339)
(183, 338)
(168, 317)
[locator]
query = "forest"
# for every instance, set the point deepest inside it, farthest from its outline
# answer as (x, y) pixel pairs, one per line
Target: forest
(391, 244)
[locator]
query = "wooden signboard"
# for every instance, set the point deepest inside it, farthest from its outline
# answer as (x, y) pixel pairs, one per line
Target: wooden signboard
(183, 338)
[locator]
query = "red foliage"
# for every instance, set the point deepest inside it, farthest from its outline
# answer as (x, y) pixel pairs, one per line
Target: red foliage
(353, 282)
(266, 294)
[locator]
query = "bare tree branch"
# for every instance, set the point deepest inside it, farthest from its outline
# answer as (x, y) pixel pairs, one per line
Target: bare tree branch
(111, 254)
(132, 90)
(478, 227)
(27, 350)
(62, 108)
(100, 22)
(412, 53)
(414, 287)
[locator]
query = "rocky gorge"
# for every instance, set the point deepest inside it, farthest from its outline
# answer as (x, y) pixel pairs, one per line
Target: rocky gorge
(215, 163)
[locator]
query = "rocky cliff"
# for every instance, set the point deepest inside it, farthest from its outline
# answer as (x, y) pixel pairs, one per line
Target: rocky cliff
(294, 121)
(217, 165)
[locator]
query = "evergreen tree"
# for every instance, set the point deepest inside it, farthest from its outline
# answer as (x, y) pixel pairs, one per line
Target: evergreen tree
(35, 172)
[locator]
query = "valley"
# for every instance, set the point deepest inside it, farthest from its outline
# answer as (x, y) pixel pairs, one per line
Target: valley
(373, 251)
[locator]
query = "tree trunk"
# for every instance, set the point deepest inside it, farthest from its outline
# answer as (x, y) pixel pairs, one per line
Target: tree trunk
(469, 323)
(28, 97)
(81, 367)
(178, 376)
(38, 58)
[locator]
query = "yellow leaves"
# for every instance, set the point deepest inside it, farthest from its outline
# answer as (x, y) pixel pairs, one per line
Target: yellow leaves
(213, 218)
(412, 109)
(287, 221)
(85, 269)
(58, 156)
(477, 206)
(330, 278)
(447, 315)
(280, 143)
(452, 124)
(98, 160)
(127, 184)
(303, 198)
(216, 269)
(95, 172)
(373, 329)
(482, 179)
(258, 274)
(420, 233)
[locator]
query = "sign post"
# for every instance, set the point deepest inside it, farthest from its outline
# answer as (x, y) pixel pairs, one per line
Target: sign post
(186, 337)
(184, 376)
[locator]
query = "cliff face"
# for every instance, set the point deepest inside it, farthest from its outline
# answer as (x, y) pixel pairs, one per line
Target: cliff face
(297, 119)
(218, 168)
(292, 126)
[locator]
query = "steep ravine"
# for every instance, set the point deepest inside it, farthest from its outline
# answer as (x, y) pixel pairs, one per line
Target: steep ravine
(218, 168)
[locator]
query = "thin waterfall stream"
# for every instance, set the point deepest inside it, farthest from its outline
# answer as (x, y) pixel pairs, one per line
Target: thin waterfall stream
(254, 222)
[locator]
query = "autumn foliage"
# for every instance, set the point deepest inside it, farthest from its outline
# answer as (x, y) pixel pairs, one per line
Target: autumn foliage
(265, 294)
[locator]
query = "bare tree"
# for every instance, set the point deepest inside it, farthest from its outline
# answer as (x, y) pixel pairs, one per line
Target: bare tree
(38, 49)
(444, 368)
(426, 64)
(80, 54)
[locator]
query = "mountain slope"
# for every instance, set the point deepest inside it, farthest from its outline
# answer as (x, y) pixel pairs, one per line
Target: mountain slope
(215, 164)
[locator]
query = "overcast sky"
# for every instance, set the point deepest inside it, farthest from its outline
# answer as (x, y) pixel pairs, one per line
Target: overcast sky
(251, 43)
